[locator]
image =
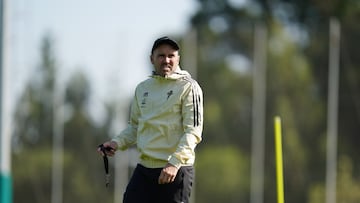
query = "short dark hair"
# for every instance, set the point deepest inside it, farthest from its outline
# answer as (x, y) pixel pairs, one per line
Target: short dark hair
(165, 40)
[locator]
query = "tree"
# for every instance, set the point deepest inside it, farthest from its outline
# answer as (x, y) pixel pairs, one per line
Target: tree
(32, 136)
(297, 72)
(222, 175)
(32, 140)
(34, 114)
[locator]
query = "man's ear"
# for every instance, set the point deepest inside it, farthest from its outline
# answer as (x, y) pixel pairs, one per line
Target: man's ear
(151, 59)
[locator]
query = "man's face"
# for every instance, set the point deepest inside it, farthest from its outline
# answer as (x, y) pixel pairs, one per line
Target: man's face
(165, 60)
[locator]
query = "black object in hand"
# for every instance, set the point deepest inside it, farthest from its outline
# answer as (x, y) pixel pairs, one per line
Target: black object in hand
(106, 163)
(105, 149)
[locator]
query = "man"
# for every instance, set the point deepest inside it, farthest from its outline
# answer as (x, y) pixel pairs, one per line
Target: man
(166, 123)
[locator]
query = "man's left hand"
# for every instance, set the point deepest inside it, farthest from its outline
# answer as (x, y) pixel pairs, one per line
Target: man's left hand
(168, 174)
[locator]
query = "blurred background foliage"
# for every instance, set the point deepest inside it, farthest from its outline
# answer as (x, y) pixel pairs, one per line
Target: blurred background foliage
(296, 89)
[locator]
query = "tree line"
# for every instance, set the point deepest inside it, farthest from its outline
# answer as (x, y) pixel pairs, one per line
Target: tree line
(296, 89)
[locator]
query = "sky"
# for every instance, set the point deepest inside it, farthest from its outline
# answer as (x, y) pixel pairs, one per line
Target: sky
(110, 40)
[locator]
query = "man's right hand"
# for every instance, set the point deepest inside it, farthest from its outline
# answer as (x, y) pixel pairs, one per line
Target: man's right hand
(108, 145)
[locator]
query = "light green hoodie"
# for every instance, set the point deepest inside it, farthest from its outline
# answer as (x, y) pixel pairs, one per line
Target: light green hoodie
(166, 120)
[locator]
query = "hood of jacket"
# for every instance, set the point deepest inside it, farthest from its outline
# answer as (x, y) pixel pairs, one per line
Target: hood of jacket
(177, 74)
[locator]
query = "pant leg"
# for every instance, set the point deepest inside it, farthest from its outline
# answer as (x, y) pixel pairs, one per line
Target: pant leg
(178, 191)
(137, 188)
(188, 179)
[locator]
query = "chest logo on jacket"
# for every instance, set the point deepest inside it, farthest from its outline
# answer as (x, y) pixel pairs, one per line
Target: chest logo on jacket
(143, 102)
(169, 94)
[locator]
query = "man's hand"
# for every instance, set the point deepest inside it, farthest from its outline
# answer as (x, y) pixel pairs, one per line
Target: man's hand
(111, 144)
(168, 174)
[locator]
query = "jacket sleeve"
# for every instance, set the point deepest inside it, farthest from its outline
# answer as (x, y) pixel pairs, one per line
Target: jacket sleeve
(127, 137)
(192, 116)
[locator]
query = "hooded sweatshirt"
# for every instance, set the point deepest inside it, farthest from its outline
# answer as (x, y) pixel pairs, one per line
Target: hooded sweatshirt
(166, 120)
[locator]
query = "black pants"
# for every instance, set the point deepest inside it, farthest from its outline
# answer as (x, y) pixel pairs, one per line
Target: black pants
(144, 187)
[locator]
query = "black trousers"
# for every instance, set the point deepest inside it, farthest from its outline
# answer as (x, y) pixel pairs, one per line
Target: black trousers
(144, 187)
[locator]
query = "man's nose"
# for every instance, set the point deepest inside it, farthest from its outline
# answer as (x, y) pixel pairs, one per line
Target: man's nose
(167, 59)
